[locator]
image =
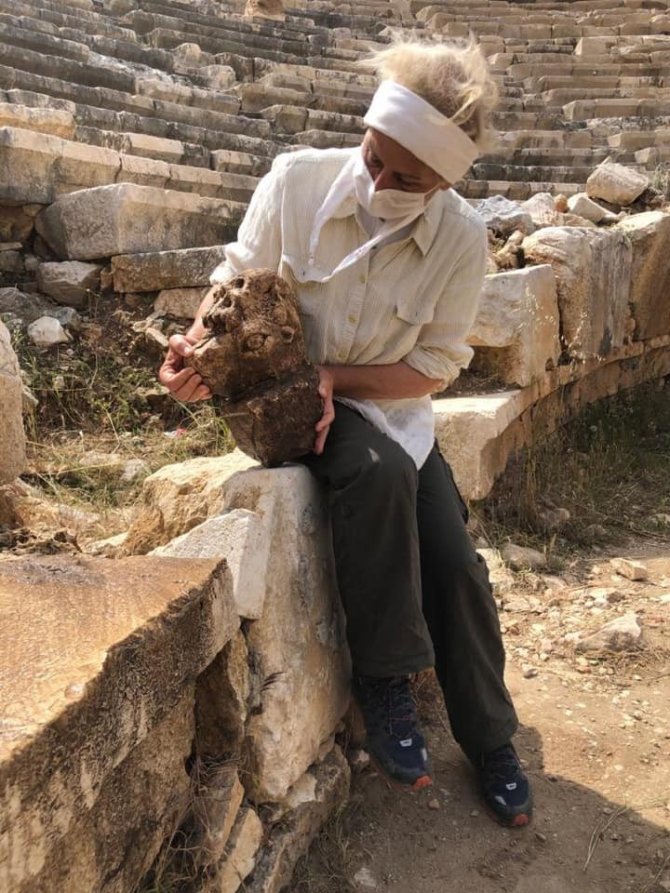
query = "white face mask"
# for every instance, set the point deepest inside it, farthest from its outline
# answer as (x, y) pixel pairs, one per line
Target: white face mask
(388, 204)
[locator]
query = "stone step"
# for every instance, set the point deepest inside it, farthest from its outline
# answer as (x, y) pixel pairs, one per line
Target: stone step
(518, 190)
(566, 95)
(639, 139)
(555, 157)
(653, 156)
(36, 168)
(121, 48)
(63, 96)
(585, 109)
(259, 96)
(326, 139)
(286, 119)
(137, 219)
(43, 55)
(489, 170)
(569, 68)
(545, 139)
(63, 16)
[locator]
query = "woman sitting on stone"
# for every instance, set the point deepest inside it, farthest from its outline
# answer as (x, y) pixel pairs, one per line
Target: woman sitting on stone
(388, 262)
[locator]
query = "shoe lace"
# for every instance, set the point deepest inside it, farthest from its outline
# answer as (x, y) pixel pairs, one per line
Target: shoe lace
(501, 764)
(392, 704)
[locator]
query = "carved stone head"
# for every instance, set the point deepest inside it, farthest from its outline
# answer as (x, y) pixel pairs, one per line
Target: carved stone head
(254, 334)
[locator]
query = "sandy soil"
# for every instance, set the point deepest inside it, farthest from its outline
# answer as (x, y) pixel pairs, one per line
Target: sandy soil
(595, 737)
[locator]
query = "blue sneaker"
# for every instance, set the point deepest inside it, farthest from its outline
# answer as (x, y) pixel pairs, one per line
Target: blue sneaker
(505, 787)
(394, 739)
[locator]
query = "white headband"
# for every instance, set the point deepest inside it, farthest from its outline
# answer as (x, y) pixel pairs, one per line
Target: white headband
(419, 127)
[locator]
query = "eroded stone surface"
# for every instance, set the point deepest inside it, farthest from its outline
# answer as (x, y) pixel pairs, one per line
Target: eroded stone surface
(290, 838)
(297, 646)
(133, 218)
(69, 282)
(94, 653)
(517, 325)
(13, 448)
(253, 356)
(649, 235)
(178, 497)
(593, 275)
(240, 537)
(616, 183)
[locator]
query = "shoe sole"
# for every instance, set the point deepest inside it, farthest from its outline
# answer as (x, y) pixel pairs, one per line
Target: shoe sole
(516, 821)
(425, 781)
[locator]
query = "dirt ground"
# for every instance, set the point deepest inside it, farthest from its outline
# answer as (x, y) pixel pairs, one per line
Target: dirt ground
(594, 737)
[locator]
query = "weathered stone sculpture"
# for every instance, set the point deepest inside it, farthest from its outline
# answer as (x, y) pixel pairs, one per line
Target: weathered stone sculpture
(253, 356)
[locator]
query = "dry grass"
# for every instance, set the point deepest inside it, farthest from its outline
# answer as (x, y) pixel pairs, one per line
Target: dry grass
(608, 469)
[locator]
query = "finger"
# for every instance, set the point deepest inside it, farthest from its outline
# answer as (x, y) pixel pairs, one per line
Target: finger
(325, 421)
(181, 346)
(320, 442)
(188, 390)
(176, 380)
(202, 393)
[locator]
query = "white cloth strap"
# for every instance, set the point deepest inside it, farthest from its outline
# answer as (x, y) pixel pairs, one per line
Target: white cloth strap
(420, 128)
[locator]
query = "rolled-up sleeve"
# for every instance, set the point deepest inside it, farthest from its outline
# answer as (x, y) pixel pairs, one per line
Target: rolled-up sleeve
(259, 236)
(441, 350)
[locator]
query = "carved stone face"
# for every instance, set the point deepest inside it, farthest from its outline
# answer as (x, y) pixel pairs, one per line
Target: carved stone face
(254, 334)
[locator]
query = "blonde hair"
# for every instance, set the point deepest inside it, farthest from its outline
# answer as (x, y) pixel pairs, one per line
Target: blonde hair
(453, 76)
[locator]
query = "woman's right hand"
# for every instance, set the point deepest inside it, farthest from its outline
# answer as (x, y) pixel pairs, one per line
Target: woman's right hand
(182, 381)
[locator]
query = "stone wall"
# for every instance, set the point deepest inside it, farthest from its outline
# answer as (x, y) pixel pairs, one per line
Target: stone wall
(190, 696)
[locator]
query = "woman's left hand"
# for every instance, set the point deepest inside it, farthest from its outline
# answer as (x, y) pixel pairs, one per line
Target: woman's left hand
(326, 420)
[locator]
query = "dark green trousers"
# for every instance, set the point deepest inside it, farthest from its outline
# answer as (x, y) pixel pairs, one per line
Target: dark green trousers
(414, 590)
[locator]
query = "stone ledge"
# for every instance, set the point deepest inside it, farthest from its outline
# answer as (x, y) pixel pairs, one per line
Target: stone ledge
(94, 655)
(479, 434)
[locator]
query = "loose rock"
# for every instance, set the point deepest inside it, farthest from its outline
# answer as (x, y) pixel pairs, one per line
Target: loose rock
(47, 332)
(632, 570)
(523, 558)
(616, 184)
(69, 282)
(622, 634)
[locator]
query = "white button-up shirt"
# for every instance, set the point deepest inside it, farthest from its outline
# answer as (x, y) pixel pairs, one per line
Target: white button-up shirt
(412, 300)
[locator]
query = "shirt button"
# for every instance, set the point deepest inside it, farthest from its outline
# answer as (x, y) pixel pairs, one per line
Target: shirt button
(351, 318)
(341, 356)
(362, 279)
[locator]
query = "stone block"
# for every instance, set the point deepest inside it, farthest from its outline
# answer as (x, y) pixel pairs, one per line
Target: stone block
(143, 171)
(181, 303)
(155, 147)
(649, 235)
(13, 448)
(17, 223)
(516, 331)
(133, 219)
(69, 282)
(593, 276)
(56, 122)
(188, 267)
(240, 856)
(119, 643)
(296, 646)
(616, 183)
(79, 166)
(26, 165)
(290, 838)
(504, 216)
(300, 629)
(243, 540)
(108, 848)
(581, 205)
(219, 796)
(177, 498)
